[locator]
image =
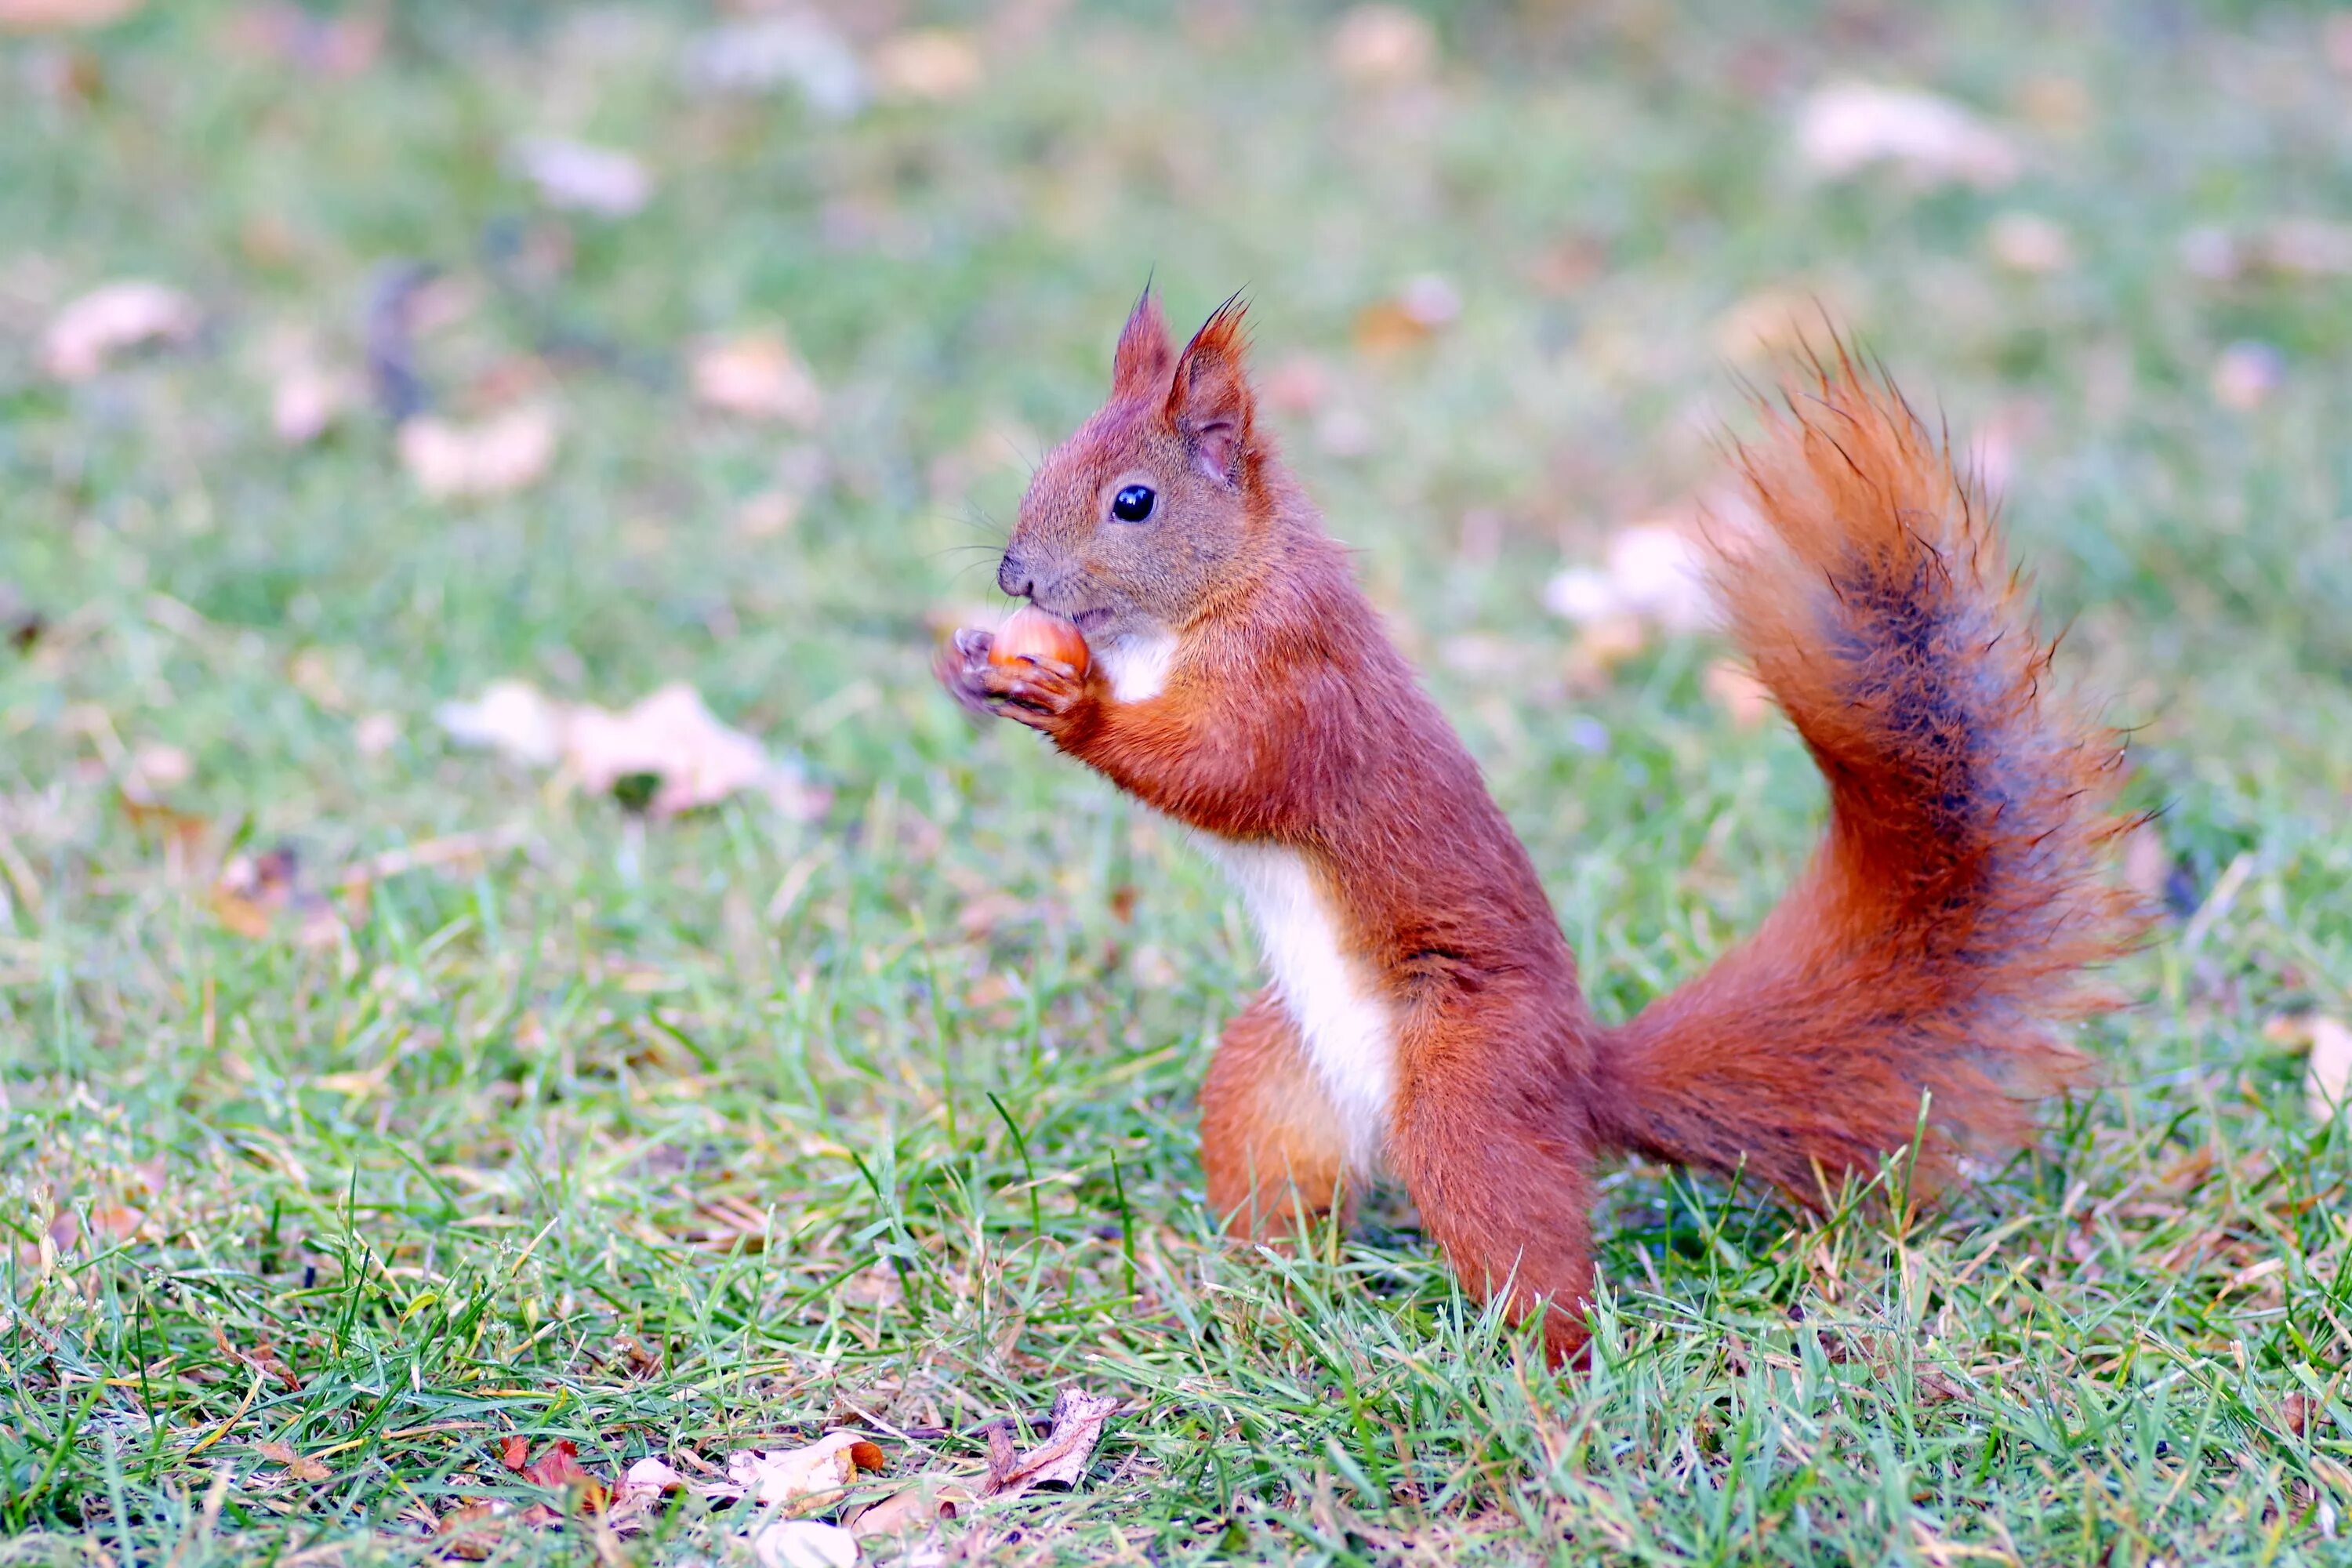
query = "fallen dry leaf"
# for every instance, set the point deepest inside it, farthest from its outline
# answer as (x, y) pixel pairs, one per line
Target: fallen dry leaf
(333, 47)
(46, 16)
(1851, 126)
(2147, 864)
(670, 736)
(307, 399)
(757, 375)
(1383, 45)
(1424, 306)
(262, 1358)
(803, 1544)
(1298, 384)
(2246, 374)
(103, 323)
(256, 893)
(1736, 688)
(500, 454)
(933, 63)
(156, 766)
(375, 735)
(2327, 1080)
(300, 1467)
(469, 1533)
(757, 53)
(821, 1471)
(576, 177)
(1770, 322)
(2291, 247)
(1602, 646)
(765, 514)
(511, 717)
(1654, 572)
(923, 1502)
(558, 1468)
(2028, 242)
(1060, 1460)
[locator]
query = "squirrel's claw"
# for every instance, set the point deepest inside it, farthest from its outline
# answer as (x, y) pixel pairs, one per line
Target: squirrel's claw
(1037, 692)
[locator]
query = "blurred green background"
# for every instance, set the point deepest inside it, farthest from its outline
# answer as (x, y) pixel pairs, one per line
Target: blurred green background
(353, 359)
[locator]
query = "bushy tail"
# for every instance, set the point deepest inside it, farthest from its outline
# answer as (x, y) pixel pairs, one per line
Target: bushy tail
(1939, 938)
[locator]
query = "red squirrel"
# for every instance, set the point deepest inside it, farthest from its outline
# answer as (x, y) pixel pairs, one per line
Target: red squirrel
(1423, 1018)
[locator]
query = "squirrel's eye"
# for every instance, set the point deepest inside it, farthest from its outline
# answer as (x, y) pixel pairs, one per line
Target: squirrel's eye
(1132, 504)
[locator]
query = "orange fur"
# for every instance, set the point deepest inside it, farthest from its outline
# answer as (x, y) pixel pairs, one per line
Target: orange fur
(1269, 1146)
(1929, 951)
(1943, 928)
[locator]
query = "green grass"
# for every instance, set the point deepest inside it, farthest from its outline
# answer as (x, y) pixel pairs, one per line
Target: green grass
(775, 1105)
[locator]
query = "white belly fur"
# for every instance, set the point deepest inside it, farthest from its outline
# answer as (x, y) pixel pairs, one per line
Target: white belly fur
(1138, 665)
(1337, 1006)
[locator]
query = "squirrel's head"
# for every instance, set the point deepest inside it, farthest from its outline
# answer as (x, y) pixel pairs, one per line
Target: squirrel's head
(1157, 503)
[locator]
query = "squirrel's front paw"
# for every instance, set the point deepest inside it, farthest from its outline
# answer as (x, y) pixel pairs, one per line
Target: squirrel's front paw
(1040, 693)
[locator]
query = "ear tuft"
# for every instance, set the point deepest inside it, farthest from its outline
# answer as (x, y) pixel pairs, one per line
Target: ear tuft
(1210, 405)
(1140, 368)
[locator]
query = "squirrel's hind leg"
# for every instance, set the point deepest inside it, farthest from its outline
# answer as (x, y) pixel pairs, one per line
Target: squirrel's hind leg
(1498, 1162)
(1271, 1145)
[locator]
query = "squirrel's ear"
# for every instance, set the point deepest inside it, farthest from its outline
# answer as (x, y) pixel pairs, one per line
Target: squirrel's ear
(1141, 366)
(1211, 403)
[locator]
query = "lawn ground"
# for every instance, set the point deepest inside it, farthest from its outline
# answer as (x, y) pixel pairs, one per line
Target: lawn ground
(712, 1131)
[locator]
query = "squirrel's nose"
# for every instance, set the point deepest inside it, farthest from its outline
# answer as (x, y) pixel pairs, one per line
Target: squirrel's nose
(1014, 577)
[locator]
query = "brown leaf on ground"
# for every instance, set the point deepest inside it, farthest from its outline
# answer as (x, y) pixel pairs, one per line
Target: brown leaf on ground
(2246, 373)
(576, 177)
(262, 1358)
(558, 1468)
(1654, 572)
(1850, 126)
(337, 46)
(1381, 46)
(92, 330)
(766, 513)
(798, 47)
(256, 893)
(816, 1471)
(757, 375)
(180, 832)
(670, 736)
(469, 1534)
(643, 1486)
(512, 718)
(1061, 1459)
(49, 16)
(306, 398)
(2328, 1083)
(922, 1502)
(1737, 690)
(300, 1467)
(933, 63)
(2028, 242)
(1771, 321)
(498, 456)
(1424, 308)
(803, 1543)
